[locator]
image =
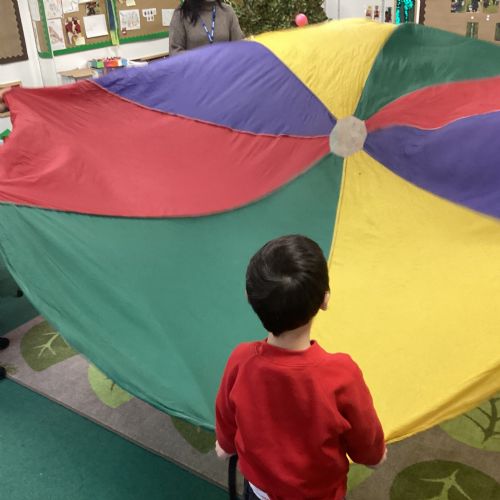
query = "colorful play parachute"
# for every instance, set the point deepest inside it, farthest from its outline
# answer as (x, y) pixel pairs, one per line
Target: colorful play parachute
(132, 204)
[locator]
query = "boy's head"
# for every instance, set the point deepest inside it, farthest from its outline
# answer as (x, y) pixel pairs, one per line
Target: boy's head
(287, 283)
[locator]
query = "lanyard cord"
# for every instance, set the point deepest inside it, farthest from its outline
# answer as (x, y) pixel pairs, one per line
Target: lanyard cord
(210, 35)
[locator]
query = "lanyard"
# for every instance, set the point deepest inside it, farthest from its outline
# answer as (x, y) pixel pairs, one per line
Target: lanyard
(210, 36)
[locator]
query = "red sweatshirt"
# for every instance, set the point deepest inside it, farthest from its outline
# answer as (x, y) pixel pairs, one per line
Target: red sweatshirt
(292, 416)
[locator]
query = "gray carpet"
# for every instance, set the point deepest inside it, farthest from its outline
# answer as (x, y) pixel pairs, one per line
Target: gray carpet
(459, 460)
(40, 359)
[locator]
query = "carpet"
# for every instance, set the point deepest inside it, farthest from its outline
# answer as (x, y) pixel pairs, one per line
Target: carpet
(50, 453)
(454, 461)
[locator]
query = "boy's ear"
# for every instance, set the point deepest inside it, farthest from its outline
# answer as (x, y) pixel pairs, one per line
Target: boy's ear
(324, 306)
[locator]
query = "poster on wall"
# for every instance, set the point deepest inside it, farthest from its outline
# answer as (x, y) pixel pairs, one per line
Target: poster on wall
(471, 5)
(166, 16)
(53, 8)
(130, 20)
(95, 26)
(74, 31)
(70, 6)
(56, 34)
(34, 10)
(92, 8)
(457, 6)
(490, 6)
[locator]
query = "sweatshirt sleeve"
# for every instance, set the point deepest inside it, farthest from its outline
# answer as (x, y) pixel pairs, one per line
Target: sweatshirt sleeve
(225, 418)
(177, 37)
(236, 33)
(364, 440)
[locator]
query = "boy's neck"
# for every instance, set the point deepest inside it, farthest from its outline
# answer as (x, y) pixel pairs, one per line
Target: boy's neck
(293, 340)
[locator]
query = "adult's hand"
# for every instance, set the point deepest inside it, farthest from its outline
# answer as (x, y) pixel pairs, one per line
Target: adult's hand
(3, 105)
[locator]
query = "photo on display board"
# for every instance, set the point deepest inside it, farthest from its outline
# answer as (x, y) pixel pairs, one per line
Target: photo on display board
(490, 6)
(70, 6)
(130, 20)
(34, 10)
(53, 9)
(92, 8)
(95, 26)
(74, 31)
(166, 16)
(472, 5)
(458, 6)
(472, 30)
(56, 35)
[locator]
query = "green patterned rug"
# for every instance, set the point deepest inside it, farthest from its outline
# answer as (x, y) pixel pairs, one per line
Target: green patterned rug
(459, 460)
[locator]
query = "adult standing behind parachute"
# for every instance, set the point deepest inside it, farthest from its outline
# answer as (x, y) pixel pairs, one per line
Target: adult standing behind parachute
(202, 22)
(131, 231)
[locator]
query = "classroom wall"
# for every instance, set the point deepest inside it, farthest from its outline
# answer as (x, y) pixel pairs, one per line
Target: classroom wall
(129, 51)
(38, 72)
(28, 72)
(438, 15)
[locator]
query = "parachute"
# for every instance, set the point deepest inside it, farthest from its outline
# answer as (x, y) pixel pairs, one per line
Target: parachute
(131, 205)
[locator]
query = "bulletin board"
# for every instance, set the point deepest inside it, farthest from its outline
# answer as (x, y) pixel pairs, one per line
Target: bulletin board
(62, 26)
(51, 17)
(475, 19)
(41, 38)
(147, 30)
(12, 44)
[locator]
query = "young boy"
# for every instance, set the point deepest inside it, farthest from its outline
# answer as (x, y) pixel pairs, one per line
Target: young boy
(291, 411)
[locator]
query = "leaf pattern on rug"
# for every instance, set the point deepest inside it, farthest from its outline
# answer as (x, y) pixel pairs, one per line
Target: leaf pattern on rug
(200, 439)
(479, 428)
(443, 480)
(42, 346)
(105, 389)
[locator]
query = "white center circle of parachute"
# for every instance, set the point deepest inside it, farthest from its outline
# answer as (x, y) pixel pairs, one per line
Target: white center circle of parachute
(348, 136)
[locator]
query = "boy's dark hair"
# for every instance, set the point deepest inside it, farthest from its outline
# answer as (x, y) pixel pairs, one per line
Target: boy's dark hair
(286, 282)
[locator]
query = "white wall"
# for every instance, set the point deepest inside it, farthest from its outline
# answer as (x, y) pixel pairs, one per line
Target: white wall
(127, 50)
(28, 72)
